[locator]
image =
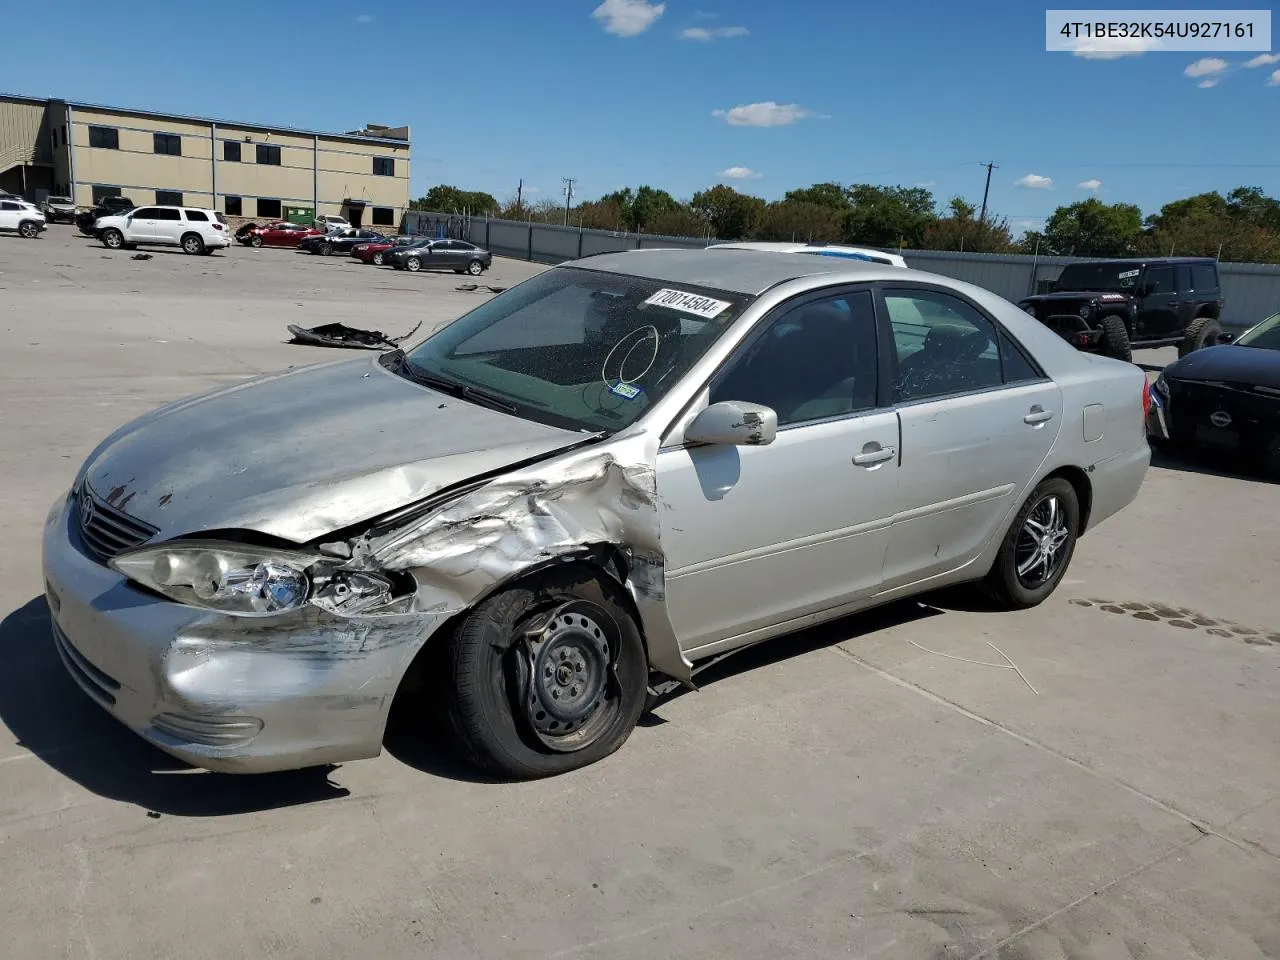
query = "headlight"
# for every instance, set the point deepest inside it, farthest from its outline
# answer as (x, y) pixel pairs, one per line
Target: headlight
(240, 580)
(1161, 386)
(1086, 310)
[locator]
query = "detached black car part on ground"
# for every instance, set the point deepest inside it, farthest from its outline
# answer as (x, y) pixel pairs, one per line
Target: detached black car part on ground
(1112, 306)
(341, 335)
(1223, 401)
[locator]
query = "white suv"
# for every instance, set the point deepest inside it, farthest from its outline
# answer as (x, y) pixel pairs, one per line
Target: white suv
(191, 228)
(21, 218)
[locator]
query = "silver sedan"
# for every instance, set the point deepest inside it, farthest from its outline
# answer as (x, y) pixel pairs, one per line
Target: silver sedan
(571, 498)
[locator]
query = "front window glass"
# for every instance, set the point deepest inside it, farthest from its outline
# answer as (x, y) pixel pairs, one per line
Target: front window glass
(1112, 277)
(581, 349)
(1265, 335)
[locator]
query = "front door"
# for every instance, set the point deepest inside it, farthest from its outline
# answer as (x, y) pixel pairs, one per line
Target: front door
(978, 419)
(1158, 311)
(755, 537)
(141, 226)
(354, 214)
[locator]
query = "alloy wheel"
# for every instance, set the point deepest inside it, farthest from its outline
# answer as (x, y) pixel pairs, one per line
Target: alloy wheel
(1039, 551)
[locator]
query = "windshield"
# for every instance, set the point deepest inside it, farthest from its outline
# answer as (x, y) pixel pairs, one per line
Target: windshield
(1115, 277)
(1265, 335)
(579, 348)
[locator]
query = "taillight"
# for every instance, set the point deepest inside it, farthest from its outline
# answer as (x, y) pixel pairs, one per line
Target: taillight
(1146, 400)
(217, 226)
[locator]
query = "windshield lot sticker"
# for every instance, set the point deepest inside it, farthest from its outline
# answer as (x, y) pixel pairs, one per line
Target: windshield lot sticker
(688, 303)
(1128, 273)
(628, 391)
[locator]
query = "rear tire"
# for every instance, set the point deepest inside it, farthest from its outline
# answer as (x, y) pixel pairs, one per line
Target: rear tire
(1115, 339)
(378, 259)
(1201, 332)
(1037, 549)
(192, 244)
(326, 249)
(498, 687)
(255, 242)
(112, 239)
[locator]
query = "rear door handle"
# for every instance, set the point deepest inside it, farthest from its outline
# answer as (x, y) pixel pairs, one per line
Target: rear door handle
(872, 454)
(1037, 416)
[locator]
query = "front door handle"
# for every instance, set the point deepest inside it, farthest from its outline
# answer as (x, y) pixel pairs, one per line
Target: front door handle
(1037, 416)
(873, 454)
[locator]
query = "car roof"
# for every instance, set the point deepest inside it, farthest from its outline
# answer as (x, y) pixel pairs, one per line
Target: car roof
(1126, 260)
(748, 272)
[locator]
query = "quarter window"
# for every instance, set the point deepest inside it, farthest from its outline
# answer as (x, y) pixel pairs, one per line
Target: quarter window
(384, 166)
(1204, 279)
(169, 144)
(197, 216)
(105, 138)
(231, 151)
(943, 346)
(268, 154)
(817, 360)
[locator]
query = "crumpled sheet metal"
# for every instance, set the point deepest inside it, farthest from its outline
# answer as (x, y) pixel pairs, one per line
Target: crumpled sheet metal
(600, 496)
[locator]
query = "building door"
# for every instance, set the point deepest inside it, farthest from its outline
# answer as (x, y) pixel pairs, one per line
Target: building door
(354, 213)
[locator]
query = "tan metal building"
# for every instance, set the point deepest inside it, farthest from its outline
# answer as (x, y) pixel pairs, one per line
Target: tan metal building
(241, 169)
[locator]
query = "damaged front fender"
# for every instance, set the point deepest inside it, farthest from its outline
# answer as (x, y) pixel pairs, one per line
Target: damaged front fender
(601, 496)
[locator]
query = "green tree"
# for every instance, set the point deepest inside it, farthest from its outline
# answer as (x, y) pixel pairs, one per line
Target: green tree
(963, 231)
(732, 215)
(800, 221)
(677, 221)
(443, 198)
(1091, 228)
(888, 216)
(1242, 226)
(600, 215)
(829, 195)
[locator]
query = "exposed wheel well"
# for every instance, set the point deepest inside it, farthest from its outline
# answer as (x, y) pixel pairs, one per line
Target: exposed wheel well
(1079, 481)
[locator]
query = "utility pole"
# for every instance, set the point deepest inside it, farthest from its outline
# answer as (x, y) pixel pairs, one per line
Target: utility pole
(982, 217)
(568, 197)
(520, 197)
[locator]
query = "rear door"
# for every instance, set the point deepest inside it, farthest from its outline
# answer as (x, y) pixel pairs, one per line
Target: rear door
(9, 215)
(1158, 316)
(977, 419)
(169, 225)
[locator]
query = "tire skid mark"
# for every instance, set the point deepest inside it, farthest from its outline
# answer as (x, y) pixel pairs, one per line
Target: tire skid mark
(1184, 618)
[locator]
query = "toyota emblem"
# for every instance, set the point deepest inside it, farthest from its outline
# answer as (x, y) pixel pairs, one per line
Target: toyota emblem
(1220, 418)
(86, 508)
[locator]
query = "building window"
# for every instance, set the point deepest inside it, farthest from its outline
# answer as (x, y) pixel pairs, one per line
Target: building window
(384, 167)
(269, 154)
(169, 198)
(231, 151)
(269, 208)
(101, 193)
(106, 138)
(169, 144)
(64, 134)
(384, 217)
(231, 206)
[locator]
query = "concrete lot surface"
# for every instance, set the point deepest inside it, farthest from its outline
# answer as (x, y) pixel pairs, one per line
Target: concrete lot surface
(854, 791)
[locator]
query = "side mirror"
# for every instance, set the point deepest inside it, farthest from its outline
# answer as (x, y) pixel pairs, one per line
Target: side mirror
(734, 423)
(1226, 337)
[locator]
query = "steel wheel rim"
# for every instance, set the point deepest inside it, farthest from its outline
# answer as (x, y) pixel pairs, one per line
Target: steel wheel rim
(1041, 545)
(567, 688)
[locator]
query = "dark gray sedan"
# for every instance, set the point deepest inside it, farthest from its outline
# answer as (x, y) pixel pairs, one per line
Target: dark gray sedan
(456, 255)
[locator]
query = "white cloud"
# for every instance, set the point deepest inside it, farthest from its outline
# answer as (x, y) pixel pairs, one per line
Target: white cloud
(1211, 82)
(1206, 67)
(706, 15)
(1274, 80)
(927, 183)
(767, 114)
(739, 173)
(714, 33)
(1033, 181)
(1263, 59)
(1022, 226)
(627, 18)
(364, 18)
(1093, 185)
(1111, 49)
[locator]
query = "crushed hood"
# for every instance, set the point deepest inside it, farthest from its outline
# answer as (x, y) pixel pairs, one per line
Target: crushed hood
(300, 454)
(1229, 363)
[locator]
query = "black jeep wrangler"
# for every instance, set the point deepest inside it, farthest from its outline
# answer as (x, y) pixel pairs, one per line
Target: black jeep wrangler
(106, 207)
(1112, 306)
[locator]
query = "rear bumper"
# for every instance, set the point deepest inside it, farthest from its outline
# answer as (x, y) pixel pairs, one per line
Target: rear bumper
(1117, 480)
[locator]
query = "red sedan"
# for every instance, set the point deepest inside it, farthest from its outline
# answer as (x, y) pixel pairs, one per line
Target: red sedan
(373, 252)
(275, 235)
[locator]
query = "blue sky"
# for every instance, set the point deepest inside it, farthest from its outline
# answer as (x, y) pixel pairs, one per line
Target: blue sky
(619, 93)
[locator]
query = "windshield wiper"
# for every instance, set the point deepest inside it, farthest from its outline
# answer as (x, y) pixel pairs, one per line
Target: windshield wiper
(461, 390)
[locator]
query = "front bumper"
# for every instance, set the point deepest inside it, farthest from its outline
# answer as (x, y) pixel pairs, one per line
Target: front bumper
(1210, 419)
(230, 694)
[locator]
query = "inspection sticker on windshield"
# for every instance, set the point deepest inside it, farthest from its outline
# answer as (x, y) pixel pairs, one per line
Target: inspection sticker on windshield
(1128, 273)
(628, 391)
(699, 306)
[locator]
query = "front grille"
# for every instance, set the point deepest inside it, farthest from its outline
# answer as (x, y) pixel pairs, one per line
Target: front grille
(99, 685)
(105, 530)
